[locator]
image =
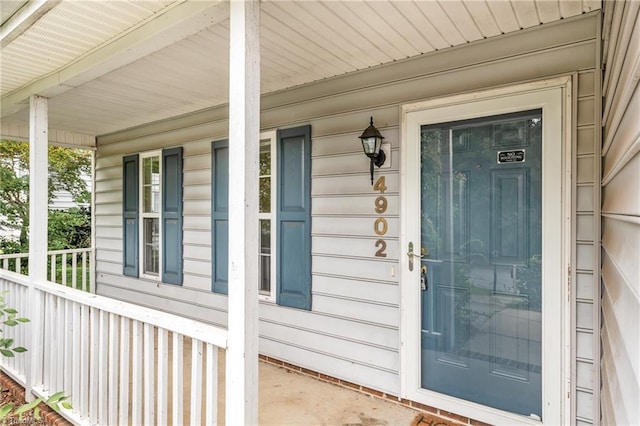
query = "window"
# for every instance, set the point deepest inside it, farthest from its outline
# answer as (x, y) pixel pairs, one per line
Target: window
(266, 216)
(152, 215)
(266, 207)
(284, 214)
(150, 197)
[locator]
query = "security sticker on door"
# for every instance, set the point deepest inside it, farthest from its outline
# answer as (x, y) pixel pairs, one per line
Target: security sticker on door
(516, 156)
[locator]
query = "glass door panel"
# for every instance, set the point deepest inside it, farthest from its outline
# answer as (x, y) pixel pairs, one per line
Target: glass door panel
(481, 319)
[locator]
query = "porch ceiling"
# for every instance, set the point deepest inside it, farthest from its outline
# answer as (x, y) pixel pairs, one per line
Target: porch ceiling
(107, 66)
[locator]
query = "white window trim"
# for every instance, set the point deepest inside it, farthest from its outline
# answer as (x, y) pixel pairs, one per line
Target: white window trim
(144, 215)
(271, 297)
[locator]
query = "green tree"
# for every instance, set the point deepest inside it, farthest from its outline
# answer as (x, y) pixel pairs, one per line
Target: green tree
(66, 170)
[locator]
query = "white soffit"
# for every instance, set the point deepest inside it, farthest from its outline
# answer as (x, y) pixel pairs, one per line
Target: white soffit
(301, 42)
(67, 32)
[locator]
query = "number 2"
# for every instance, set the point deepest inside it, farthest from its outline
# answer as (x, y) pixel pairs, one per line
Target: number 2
(383, 246)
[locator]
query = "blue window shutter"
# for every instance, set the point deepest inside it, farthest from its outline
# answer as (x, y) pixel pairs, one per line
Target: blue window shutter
(130, 194)
(220, 216)
(293, 229)
(172, 216)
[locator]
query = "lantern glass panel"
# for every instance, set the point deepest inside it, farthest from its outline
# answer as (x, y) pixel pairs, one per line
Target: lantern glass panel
(369, 145)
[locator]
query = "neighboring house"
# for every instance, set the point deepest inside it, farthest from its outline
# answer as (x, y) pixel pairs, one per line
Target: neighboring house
(489, 268)
(63, 200)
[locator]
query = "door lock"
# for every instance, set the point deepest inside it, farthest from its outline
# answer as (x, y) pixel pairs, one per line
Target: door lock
(424, 282)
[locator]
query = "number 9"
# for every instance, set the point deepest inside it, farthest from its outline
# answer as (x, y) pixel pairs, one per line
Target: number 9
(381, 204)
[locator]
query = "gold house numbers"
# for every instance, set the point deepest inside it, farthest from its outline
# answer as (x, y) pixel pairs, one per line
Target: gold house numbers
(380, 225)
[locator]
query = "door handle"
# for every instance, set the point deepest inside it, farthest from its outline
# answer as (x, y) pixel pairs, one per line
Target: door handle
(411, 255)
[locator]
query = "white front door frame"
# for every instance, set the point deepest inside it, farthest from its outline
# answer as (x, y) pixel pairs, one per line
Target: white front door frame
(554, 96)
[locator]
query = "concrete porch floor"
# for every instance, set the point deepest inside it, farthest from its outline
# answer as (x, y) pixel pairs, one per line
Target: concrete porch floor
(290, 398)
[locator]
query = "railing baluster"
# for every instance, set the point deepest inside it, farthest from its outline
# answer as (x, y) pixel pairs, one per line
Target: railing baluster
(68, 355)
(52, 343)
(49, 327)
(211, 391)
(103, 352)
(176, 377)
(18, 269)
(83, 284)
(94, 337)
(196, 382)
(84, 360)
(17, 333)
(149, 373)
(125, 360)
(136, 387)
(92, 271)
(58, 348)
(20, 333)
(112, 369)
(162, 379)
(13, 333)
(52, 269)
(64, 269)
(5, 263)
(77, 348)
(74, 264)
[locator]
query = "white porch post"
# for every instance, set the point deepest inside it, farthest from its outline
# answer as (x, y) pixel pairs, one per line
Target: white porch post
(244, 136)
(38, 212)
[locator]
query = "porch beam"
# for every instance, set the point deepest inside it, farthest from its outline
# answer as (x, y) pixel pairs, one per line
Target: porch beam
(38, 212)
(24, 18)
(244, 136)
(19, 131)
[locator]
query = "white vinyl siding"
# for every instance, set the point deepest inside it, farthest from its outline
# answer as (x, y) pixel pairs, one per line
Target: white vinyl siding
(352, 331)
(620, 338)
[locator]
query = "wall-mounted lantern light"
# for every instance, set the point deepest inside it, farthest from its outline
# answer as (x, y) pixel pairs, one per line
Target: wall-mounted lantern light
(371, 144)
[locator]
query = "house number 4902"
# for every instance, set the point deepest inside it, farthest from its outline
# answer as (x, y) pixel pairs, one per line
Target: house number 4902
(380, 225)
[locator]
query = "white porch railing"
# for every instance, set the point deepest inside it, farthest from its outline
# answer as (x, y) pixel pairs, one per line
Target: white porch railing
(119, 362)
(71, 268)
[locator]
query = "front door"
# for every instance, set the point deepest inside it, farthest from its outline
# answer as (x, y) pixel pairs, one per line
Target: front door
(481, 239)
(476, 256)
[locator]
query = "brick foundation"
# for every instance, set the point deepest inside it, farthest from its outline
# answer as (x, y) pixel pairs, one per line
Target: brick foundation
(430, 416)
(49, 416)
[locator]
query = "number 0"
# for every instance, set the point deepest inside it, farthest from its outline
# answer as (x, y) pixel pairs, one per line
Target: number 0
(380, 226)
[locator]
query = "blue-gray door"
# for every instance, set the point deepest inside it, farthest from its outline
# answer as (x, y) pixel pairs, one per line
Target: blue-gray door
(481, 243)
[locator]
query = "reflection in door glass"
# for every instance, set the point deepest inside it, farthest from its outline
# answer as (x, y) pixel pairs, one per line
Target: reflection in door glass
(481, 232)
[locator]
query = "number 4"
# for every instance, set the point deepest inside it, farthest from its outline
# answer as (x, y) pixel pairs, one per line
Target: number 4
(380, 185)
